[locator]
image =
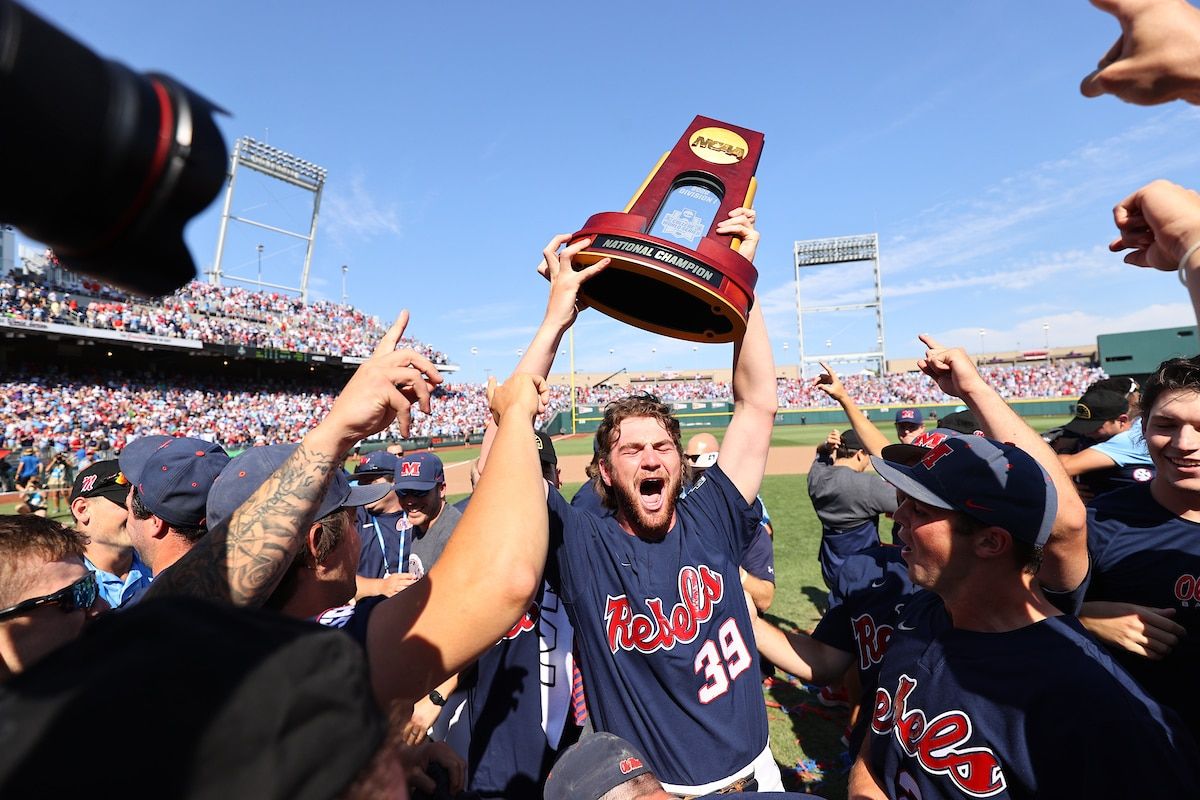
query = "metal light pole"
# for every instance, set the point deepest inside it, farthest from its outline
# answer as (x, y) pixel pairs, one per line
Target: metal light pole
(1046, 335)
(981, 333)
(260, 249)
(345, 297)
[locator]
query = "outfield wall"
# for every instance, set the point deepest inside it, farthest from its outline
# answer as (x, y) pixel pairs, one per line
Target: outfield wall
(716, 414)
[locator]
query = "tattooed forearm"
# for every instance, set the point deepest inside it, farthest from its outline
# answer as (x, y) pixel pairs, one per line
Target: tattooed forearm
(270, 528)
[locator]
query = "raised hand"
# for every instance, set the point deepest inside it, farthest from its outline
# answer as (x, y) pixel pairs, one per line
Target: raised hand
(1157, 57)
(950, 367)
(522, 393)
(741, 224)
(384, 388)
(1160, 222)
(829, 383)
(564, 303)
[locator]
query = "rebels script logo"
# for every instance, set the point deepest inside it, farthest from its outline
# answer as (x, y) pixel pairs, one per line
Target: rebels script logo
(700, 589)
(872, 640)
(937, 744)
(525, 623)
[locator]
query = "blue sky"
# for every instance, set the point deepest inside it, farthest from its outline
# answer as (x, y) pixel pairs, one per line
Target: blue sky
(459, 137)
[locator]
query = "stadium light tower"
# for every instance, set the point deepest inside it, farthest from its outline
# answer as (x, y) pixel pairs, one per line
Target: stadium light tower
(345, 297)
(840, 250)
(282, 166)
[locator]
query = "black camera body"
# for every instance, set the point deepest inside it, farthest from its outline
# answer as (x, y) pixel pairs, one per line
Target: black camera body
(104, 164)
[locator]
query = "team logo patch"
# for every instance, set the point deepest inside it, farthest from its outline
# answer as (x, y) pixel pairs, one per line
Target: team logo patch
(937, 744)
(88, 484)
(700, 589)
(1141, 474)
(907, 414)
(410, 469)
(628, 765)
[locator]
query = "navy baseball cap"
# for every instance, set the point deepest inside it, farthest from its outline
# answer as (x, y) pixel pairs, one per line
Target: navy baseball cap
(593, 767)
(1096, 407)
(377, 464)
(250, 470)
(852, 441)
(962, 422)
(102, 479)
(545, 448)
(912, 415)
(420, 471)
(173, 475)
(998, 484)
(918, 448)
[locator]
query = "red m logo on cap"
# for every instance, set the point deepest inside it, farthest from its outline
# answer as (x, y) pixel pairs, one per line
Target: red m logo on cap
(410, 469)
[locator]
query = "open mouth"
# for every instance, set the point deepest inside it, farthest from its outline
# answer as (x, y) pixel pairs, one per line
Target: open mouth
(650, 492)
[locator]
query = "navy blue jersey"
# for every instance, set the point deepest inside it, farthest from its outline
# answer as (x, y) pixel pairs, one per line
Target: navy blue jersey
(837, 546)
(587, 500)
(759, 559)
(1142, 553)
(870, 591)
(663, 632)
(509, 754)
(384, 543)
(1102, 481)
(1041, 711)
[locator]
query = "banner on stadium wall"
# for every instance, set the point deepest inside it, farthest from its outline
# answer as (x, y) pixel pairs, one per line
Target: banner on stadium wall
(78, 332)
(446, 441)
(475, 438)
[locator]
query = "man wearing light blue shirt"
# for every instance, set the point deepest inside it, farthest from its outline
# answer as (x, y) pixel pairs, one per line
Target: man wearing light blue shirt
(98, 506)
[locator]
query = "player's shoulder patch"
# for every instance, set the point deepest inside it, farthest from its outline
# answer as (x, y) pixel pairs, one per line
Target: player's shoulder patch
(336, 617)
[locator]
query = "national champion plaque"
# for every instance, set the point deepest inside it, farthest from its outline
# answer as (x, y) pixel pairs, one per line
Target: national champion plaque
(670, 272)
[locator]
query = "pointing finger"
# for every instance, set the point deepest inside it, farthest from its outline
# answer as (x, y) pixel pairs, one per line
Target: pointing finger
(392, 337)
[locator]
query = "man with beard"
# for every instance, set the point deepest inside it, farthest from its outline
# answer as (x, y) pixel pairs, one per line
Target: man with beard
(662, 630)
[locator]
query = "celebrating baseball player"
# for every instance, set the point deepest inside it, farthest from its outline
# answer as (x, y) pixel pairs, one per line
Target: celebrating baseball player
(661, 626)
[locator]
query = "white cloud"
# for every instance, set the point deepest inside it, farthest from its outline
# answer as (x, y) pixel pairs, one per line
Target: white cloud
(359, 214)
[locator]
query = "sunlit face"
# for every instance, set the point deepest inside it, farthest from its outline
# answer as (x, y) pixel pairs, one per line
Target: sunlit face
(32, 636)
(936, 558)
(907, 431)
(1172, 434)
(106, 522)
(141, 531)
(645, 472)
(422, 509)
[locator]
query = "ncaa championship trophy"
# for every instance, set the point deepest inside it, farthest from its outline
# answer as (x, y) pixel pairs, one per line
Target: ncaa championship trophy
(670, 273)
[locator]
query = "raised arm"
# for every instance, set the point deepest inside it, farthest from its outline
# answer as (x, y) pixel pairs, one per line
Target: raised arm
(744, 449)
(488, 574)
(1065, 560)
(245, 563)
(1157, 57)
(872, 438)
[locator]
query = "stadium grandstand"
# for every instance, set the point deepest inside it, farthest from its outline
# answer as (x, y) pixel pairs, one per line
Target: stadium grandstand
(87, 367)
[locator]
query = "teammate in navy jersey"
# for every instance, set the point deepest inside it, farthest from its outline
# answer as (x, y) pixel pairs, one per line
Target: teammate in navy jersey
(517, 697)
(653, 591)
(1143, 592)
(986, 690)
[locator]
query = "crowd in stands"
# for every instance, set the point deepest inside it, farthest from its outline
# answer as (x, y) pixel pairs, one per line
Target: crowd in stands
(203, 312)
(58, 411)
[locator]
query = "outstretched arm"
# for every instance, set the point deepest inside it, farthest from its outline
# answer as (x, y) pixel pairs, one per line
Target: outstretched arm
(1065, 561)
(488, 574)
(245, 563)
(743, 455)
(872, 438)
(1160, 223)
(1157, 57)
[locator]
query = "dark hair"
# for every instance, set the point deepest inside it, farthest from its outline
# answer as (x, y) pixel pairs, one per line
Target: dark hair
(1026, 555)
(1172, 374)
(192, 533)
(333, 527)
(25, 536)
(642, 404)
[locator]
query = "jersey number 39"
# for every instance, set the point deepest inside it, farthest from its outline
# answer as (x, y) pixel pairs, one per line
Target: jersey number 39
(723, 665)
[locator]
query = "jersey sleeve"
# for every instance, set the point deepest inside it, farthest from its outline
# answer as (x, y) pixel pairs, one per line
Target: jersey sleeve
(836, 628)
(882, 494)
(759, 560)
(1126, 448)
(568, 558)
(716, 500)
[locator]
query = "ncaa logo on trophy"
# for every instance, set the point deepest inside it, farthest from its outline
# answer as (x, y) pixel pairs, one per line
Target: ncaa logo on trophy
(670, 272)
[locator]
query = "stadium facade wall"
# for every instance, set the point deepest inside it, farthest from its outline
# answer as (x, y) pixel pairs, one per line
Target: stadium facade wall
(716, 414)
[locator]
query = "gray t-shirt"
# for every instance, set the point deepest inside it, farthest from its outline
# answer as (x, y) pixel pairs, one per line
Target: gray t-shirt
(845, 499)
(428, 546)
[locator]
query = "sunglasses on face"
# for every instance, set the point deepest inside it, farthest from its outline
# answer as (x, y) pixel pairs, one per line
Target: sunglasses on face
(413, 492)
(79, 595)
